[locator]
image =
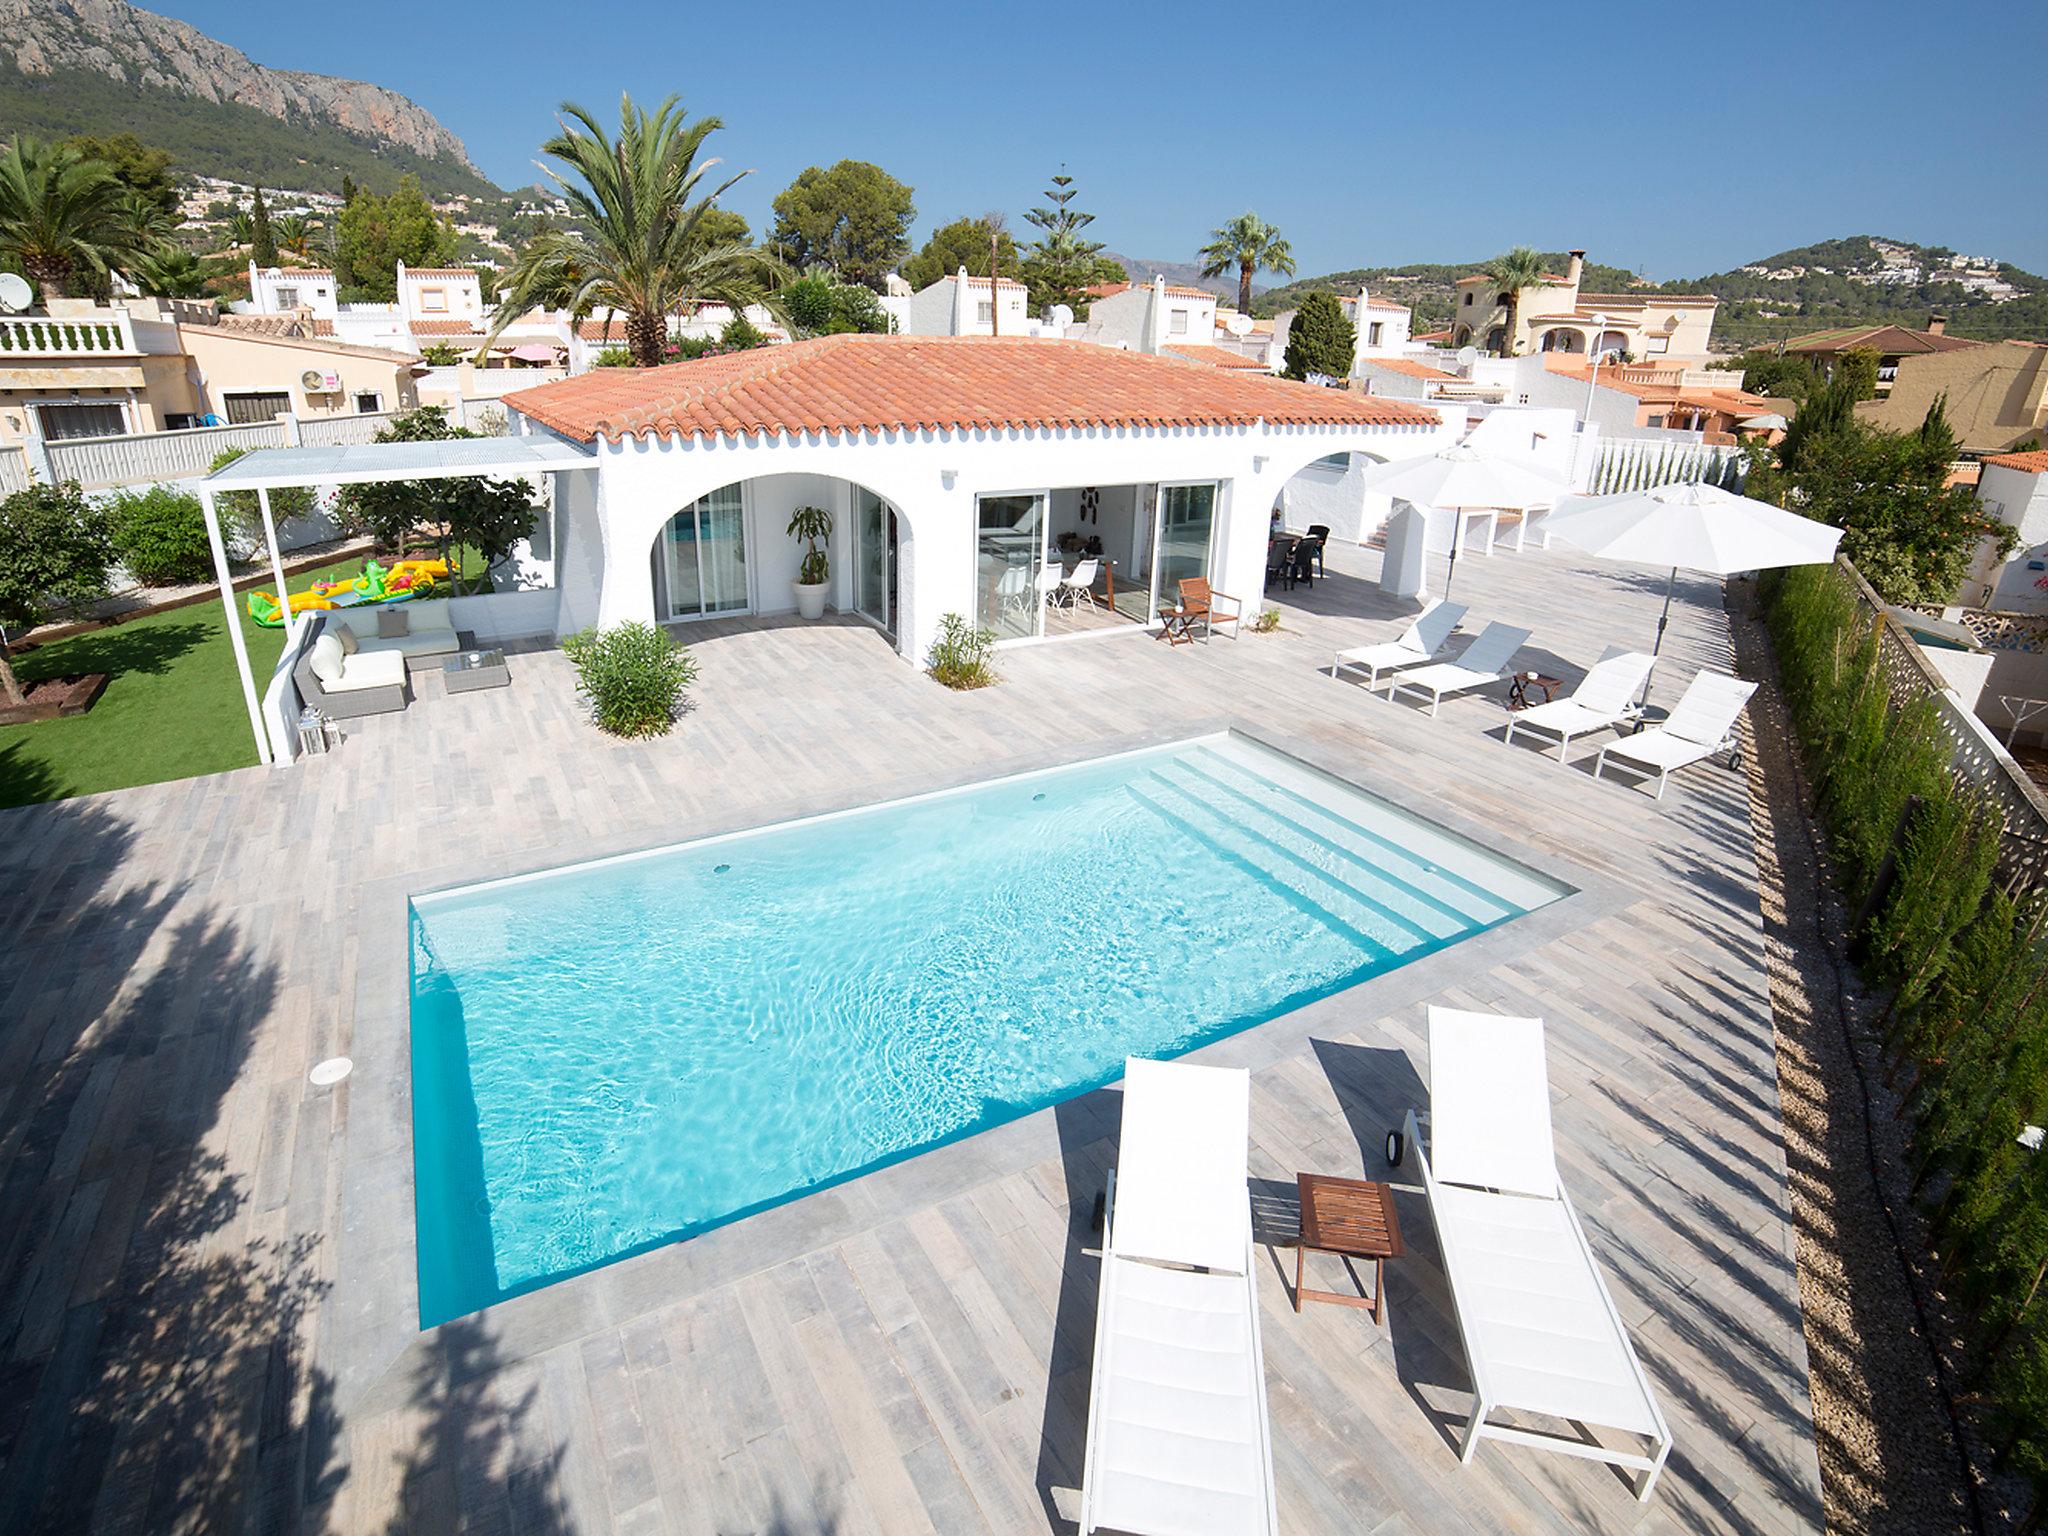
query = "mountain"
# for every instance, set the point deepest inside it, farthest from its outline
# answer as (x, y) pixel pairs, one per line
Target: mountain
(1186, 274)
(98, 66)
(1864, 279)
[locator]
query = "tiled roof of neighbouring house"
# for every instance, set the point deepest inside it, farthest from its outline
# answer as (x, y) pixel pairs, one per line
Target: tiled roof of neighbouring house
(1409, 366)
(2033, 462)
(1885, 340)
(1173, 290)
(834, 384)
(1217, 357)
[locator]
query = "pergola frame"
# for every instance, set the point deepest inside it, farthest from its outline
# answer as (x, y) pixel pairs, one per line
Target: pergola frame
(266, 469)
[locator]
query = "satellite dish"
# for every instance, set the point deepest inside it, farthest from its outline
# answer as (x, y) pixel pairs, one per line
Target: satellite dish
(1467, 356)
(15, 293)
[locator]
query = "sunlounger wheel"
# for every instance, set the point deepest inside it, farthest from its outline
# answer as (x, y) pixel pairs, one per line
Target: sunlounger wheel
(1397, 1146)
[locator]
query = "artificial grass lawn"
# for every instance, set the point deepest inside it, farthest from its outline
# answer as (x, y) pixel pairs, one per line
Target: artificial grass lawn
(173, 706)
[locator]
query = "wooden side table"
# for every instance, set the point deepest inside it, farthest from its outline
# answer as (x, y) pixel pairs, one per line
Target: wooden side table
(1520, 684)
(1352, 1219)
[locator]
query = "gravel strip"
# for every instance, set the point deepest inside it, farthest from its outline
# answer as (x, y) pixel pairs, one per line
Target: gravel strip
(1882, 1389)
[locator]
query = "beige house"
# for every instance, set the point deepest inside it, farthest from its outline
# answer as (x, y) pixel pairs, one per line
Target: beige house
(1555, 315)
(153, 365)
(1997, 395)
(1893, 344)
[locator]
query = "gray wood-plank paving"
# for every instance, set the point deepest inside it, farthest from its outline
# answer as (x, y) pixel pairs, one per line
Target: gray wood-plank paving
(205, 1262)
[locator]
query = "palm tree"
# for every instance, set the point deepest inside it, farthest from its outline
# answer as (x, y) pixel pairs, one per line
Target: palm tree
(639, 250)
(169, 272)
(1249, 244)
(149, 222)
(1520, 268)
(241, 228)
(62, 216)
(294, 233)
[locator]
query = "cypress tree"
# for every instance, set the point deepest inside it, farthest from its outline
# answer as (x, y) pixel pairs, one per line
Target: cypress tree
(1321, 340)
(262, 241)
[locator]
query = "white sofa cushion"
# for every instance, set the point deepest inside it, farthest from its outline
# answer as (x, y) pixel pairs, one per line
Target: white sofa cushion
(432, 642)
(366, 669)
(327, 659)
(429, 613)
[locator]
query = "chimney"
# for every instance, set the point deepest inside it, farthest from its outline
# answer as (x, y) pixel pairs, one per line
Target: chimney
(1936, 324)
(960, 309)
(1573, 272)
(1155, 316)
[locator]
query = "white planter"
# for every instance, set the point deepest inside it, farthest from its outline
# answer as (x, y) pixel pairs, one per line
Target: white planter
(810, 598)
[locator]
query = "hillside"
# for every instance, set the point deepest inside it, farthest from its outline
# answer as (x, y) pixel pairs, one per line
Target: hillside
(88, 65)
(1186, 274)
(1860, 280)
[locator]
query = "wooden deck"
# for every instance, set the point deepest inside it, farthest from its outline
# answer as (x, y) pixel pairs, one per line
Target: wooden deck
(205, 1262)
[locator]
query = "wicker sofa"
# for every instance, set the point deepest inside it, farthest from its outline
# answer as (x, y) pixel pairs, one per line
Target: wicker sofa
(345, 686)
(421, 631)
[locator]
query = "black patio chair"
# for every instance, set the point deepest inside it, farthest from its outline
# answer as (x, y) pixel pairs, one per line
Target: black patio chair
(1308, 555)
(1280, 562)
(1320, 532)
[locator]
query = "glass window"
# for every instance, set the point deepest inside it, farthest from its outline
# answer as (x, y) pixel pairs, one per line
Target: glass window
(433, 299)
(59, 422)
(985, 312)
(1187, 516)
(245, 409)
(1009, 551)
(1177, 321)
(287, 298)
(1373, 332)
(874, 529)
(368, 402)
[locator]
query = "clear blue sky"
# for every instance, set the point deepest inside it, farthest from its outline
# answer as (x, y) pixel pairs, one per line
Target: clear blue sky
(1670, 138)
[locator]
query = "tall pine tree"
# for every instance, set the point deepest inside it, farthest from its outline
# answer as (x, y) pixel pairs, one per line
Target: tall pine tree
(1062, 264)
(1320, 340)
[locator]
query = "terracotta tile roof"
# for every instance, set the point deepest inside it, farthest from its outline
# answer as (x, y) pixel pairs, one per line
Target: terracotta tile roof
(323, 327)
(265, 325)
(982, 282)
(2033, 462)
(440, 271)
(1217, 357)
(1409, 366)
(446, 328)
(1441, 334)
(1885, 340)
(294, 272)
(836, 384)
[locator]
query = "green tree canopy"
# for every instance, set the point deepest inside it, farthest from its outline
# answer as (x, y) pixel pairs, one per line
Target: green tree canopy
(1320, 340)
(1857, 370)
(1768, 372)
(721, 226)
(1063, 262)
(962, 243)
(854, 217)
(1249, 244)
(650, 234)
(819, 305)
(488, 516)
(63, 218)
(56, 548)
(142, 168)
(374, 234)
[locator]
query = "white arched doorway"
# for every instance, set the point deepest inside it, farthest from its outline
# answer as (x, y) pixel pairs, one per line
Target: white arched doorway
(1564, 339)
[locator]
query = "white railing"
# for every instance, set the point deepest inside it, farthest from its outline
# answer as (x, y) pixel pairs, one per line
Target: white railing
(14, 474)
(1637, 463)
(98, 463)
(43, 336)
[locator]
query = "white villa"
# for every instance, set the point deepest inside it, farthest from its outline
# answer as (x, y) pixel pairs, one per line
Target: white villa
(952, 466)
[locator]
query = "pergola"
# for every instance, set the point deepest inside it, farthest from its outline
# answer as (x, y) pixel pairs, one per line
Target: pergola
(266, 469)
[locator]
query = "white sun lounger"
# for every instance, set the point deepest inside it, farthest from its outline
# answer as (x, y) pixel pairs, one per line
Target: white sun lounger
(1605, 697)
(1701, 726)
(1541, 1334)
(1416, 644)
(1178, 1440)
(1484, 661)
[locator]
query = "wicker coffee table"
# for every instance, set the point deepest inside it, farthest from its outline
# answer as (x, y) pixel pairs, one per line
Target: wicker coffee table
(1352, 1219)
(474, 671)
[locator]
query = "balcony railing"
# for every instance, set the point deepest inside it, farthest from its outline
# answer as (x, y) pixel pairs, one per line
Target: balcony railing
(42, 336)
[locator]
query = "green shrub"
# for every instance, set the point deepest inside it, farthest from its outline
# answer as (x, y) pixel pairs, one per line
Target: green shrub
(634, 676)
(160, 535)
(1266, 622)
(960, 656)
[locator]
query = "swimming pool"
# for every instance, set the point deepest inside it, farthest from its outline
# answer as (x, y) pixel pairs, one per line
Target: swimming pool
(616, 1055)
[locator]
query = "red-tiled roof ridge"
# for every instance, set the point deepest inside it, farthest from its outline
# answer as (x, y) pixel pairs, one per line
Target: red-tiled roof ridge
(1409, 366)
(1173, 290)
(852, 383)
(440, 271)
(1216, 357)
(2033, 462)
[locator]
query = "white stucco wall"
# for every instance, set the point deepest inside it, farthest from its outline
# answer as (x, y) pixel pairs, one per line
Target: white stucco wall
(931, 479)
(2020, 501)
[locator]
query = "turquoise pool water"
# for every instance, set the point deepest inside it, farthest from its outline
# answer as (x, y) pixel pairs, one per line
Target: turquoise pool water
(621, 1054)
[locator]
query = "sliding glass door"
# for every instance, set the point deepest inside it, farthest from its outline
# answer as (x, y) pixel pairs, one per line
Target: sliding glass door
(1009, 553)
(874, 565)
(1187, 525)
(705, 557)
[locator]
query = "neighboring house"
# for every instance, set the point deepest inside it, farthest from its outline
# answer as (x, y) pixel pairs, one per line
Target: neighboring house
(1995, 396)
(959, 305)
(152, 365)
(1381, 327)
(1148, 317)
(2012, 488)
(1677, 398)
(1893, 344)
(1555, 315)
(1408, 378)
(952, 466)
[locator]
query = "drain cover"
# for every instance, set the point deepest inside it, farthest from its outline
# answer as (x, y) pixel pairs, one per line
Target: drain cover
(332, 1071)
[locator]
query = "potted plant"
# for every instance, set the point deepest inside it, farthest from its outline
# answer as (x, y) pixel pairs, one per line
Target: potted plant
(811, 524)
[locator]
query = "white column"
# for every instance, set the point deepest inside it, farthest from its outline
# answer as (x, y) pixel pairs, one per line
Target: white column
(227, 597)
